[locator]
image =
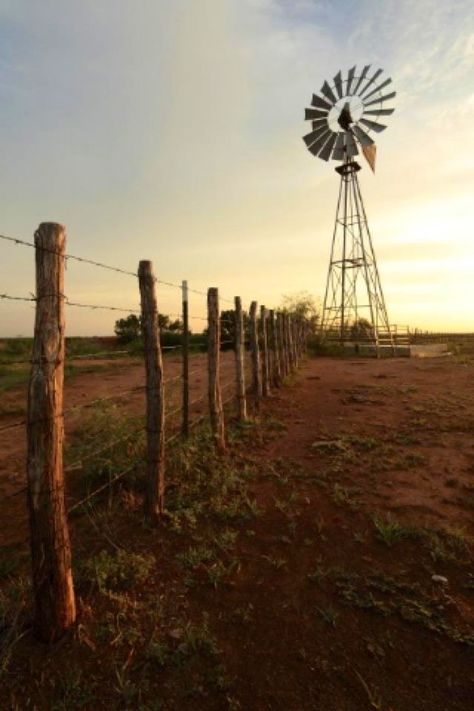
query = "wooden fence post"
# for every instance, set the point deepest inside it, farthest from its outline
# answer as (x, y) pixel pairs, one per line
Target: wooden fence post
(155, 401)
(294, 339)
(264, 350)
(239, 359)
(255, 355)
(284, 317)
(185, 348)
(53, 589)
(216, 411)
(274, 341)
(291, 351)
(281, 354)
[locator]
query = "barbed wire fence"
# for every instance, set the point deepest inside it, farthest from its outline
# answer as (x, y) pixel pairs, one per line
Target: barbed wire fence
(265, 346)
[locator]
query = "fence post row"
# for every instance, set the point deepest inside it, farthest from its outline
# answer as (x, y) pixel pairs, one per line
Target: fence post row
(255, 355)
(185, 349)
(239, 359)
(216, 411)
(53, 590)
(264, 350)
(155, 413)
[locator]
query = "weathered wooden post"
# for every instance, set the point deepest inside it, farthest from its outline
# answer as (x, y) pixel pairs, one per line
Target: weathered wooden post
(216, 411)
(155, 401)
(185, 349)
(264, 350)
(280, 336)
(53, 590)
(239, 359)
(274, 342)
(284, 324)
(294, 341)
(291, 352)
(255, 355)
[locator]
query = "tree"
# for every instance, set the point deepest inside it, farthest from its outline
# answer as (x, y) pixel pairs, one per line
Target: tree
(303, 305)
(166, 324)
(128, 329)
(361, 330)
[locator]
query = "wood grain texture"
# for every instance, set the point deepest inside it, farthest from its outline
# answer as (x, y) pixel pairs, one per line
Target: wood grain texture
(185, 344)
(239, 360)
(53, 590)
(264, 350)
(275, 349)
(155, 411)
(216, 411)
(255, 355)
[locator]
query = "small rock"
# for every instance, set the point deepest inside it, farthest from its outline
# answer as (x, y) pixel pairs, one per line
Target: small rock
(439, 579)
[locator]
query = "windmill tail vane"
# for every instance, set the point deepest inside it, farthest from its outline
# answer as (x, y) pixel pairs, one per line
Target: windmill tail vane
(345, 115)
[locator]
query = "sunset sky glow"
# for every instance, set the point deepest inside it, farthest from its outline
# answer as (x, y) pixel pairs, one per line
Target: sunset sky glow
(171, 130)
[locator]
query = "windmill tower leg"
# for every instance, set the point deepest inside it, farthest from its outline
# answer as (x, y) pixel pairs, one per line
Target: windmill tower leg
(354, 306)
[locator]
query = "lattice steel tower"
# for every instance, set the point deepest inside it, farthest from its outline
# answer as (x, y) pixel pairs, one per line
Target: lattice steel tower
(354, 306)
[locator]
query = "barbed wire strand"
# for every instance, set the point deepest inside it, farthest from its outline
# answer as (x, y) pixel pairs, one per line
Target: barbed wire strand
(101, 265)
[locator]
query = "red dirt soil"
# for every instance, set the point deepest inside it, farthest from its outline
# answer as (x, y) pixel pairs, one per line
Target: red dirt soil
(320, 613)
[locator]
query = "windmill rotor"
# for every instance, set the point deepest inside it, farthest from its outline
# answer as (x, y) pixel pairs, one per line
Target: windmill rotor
(345, 114)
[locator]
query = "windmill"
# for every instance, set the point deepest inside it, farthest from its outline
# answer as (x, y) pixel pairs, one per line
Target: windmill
(345, 115)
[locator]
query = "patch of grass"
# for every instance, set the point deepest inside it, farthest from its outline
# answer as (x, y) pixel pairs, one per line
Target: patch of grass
(451, 545)
(342, 496)
(390, 531)
(11, 376)
(275, 425)
(317, 575)
(70, 691)
(119, 570)
(219, 571)
(329, 615)
(275, 562)
(386, 596)
(194, 557)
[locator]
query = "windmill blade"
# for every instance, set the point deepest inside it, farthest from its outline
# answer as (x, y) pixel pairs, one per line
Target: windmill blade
(317, 145)
(377, 127)
(379, 112)
(361, 78)
(338, 152)
(320, 103)
(351, 147)
(381, 99)
(363, 137)
(371, 81)
(378, 88)
(350, 79)
(314, 114)
(338, 83)
(328, 93)
(310, 138)
(325, 154)
(319, 123)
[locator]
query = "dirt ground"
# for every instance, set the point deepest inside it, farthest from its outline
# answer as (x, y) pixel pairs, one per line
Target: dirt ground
(348, 584)
(93, 380)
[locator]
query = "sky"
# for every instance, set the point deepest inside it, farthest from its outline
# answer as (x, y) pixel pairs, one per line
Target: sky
(170, 130)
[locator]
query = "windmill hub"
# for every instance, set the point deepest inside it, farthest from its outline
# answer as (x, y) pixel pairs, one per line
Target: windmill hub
(344, 116)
